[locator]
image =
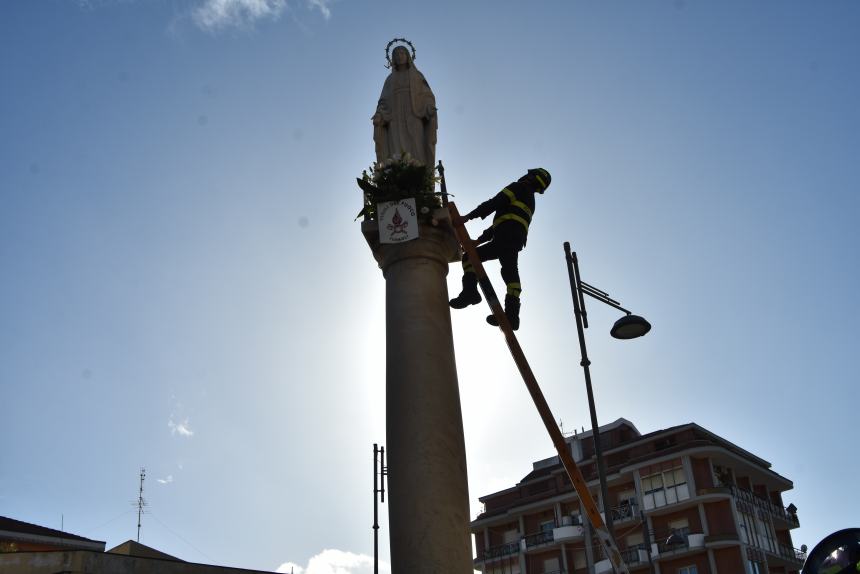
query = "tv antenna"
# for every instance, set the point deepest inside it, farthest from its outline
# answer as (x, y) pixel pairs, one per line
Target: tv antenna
(141, 502)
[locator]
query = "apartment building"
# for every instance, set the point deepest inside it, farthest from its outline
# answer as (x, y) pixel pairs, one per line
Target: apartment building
(683, 501)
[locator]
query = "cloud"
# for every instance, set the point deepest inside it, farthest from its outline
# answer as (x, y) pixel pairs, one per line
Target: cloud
(167, 480)
(214, 15)
(217, 15)
(182, 427)
(331, 561)
(322, 6)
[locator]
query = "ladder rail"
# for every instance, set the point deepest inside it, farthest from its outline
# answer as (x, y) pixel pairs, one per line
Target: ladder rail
(570, 466)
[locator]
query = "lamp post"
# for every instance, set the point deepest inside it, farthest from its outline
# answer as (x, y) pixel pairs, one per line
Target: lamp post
(628, 327)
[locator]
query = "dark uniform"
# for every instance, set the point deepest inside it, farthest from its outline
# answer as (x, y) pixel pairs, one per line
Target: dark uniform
(514, 207)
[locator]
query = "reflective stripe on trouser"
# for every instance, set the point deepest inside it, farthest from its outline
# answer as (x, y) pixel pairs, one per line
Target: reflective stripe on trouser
(514, 290)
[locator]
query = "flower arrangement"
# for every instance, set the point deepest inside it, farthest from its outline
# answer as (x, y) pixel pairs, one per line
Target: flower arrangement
(399, 177)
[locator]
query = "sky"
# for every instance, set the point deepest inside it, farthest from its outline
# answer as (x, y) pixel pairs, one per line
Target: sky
(184, 287)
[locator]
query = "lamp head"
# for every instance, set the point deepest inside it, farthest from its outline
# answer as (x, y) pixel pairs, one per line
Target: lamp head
(630, 327)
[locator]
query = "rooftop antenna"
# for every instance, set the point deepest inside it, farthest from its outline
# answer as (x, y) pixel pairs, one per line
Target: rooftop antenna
(141, 502)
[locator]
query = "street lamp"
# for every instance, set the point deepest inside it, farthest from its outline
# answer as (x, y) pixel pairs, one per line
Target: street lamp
(628, 327)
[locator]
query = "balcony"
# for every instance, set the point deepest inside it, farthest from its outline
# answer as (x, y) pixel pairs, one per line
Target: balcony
(499, 551)
(635, 555)
(627, 510)
(776, 511)
(784, 555)
(677, 541)
(538, 539)
(570, 529)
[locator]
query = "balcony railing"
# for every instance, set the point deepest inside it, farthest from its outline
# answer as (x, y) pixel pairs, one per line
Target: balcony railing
(539, 538)
(789, 553)
(626, 511)
(499, 551)
(634, 555)
(680, 540)
(758, 502)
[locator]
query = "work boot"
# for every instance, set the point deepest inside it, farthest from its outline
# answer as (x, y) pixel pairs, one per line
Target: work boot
(512, 311)
(469, 295)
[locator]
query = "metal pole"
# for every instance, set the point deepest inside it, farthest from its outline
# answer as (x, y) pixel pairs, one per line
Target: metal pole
(375, 516)
(579, 312)
(444, 187)
(647, 537)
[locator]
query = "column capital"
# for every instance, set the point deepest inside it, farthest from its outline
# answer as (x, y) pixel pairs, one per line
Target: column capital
(436, 242)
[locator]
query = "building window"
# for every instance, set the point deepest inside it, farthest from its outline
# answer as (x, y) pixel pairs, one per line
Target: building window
(744, 530)
(756, 530)
(754, 567)
(688, 570)
(664, 484)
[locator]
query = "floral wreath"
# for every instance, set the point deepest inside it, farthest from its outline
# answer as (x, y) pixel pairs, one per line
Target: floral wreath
(388, 50)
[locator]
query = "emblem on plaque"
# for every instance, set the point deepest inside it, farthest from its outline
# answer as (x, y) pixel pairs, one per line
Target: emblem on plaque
(398, 221)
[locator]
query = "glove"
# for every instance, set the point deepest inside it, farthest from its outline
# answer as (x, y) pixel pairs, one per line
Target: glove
(485, 236)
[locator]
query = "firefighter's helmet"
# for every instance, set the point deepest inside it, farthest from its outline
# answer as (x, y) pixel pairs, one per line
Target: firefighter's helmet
(541, 176)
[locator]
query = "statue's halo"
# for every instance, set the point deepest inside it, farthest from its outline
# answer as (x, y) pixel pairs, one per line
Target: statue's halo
(388, 50)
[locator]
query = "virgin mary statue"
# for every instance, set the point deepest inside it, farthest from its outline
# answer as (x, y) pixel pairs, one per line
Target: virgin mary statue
(405, 119)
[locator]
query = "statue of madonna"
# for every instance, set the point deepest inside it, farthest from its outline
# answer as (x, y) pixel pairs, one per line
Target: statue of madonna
(405, 119)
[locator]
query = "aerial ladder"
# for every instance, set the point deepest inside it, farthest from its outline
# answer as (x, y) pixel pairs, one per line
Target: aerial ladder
(607, 542)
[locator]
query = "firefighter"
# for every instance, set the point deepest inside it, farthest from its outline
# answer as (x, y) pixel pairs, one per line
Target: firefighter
(513, 208)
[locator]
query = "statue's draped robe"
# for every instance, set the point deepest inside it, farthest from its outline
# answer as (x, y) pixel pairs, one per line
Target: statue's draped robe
(407, 107)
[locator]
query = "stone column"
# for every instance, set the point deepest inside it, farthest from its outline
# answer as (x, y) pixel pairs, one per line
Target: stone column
(428, 508)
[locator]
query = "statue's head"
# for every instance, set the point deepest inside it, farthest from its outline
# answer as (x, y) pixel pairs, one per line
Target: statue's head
(400, 58)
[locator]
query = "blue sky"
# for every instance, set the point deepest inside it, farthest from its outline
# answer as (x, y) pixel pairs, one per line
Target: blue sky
(184, 288)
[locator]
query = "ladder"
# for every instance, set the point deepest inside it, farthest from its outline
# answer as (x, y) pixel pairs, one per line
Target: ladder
(573, 472)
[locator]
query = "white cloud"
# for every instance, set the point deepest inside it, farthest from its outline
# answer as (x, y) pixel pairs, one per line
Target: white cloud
(331, 561)
(322, 6)
(167, 480)
(214, 15)
(217, 15)
(181, 427)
